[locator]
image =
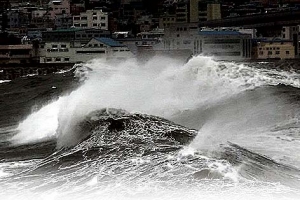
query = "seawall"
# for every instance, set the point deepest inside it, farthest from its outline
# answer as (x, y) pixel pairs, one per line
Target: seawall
(12, 71)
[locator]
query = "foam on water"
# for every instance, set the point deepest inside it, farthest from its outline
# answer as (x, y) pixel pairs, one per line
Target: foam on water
(4, 81)
(162, 87)
(39, 126)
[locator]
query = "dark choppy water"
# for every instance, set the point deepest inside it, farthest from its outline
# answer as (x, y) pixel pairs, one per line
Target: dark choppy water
(160, 130)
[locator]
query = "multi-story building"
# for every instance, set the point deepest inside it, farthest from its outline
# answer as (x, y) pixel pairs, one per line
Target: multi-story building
(275, 49)
(58, 7)
(182, 12)
(16, 53)
(166, 20)
(292, 33)
(38, 13)
(203, 10)
(17, 19)
(63, 21)
(96, 48)
(220, 44)
(77, 36)
(91, 19)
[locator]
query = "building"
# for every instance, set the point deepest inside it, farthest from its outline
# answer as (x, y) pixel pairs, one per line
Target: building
(17, 19)
(203, 10)
(220, 44)
(63, 21)
(166, 20)
(77, 36)
(275, 48)
(96, 48)
(225, 45)
(58, 7)
(16, 53)
(292, 33)
(91, 19)
(182, 12)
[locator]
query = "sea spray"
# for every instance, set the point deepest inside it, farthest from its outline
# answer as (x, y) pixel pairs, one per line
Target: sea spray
(161, 86)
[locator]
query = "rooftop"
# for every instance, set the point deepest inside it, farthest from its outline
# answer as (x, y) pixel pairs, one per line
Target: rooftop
(220, 33)
(109, 42)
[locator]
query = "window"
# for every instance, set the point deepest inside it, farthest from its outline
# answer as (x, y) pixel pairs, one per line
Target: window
(54, 46)
(283, 29)
(63, 46)
(269, 52)
(95, 18)
(287, 52)
(57, 59)
(78, 35)
(103, 24)
(103, 18)
(83, 25)
(277, 52)
(49, 59)
(261, 53)
(95, 45)
(83, 18)
(283, 35)
(67, 59)
(94, 24)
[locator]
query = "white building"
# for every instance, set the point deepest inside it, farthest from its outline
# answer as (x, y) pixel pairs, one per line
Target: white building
(220, 44)
(91, 19)
(63, 52)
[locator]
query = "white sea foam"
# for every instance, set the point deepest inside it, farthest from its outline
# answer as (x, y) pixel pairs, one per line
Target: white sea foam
(162, 87)
(39, 126)
(167, 88)
(4, 81)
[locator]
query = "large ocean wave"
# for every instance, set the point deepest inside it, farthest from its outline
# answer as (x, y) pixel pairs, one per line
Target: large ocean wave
(173, 130)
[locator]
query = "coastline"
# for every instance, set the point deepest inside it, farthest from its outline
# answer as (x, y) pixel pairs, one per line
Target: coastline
(15, 70)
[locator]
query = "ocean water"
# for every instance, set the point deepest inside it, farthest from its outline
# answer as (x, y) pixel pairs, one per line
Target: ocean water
(161, 129)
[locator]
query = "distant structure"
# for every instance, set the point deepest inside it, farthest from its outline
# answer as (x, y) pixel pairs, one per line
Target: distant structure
(59, 7)
(275, 48)
(204, 10)
(91, 19)
(222, 44)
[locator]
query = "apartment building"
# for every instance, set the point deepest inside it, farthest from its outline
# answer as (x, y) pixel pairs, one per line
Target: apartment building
(220, 44)
(203, 10)
(275, 48)
(96, 48)
(292, 33)
(91, 19)
(58, 7)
